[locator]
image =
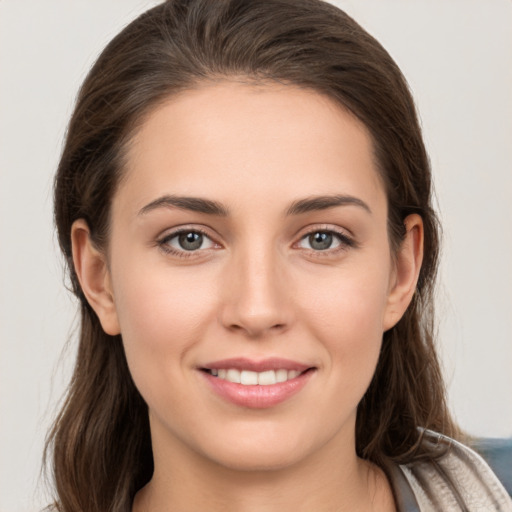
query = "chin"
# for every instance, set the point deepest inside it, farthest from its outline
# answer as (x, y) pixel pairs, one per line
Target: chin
(257, 460)
(260, 450)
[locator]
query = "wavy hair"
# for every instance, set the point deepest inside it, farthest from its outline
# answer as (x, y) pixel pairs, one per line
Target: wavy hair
(99, 448)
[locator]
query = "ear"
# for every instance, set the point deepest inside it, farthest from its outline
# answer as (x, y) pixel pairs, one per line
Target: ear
(407, 269)
(94, 276)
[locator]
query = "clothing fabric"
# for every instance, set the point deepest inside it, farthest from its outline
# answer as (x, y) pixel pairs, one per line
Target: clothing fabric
(458, 481)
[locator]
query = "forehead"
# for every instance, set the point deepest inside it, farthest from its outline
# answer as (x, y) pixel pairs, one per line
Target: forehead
(229, 137)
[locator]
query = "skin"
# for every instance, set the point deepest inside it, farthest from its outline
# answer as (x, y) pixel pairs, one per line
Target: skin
(256, 288)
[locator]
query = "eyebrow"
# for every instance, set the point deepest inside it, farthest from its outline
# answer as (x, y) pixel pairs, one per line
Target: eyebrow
(317, 203)
(194, 204)
(209, 207)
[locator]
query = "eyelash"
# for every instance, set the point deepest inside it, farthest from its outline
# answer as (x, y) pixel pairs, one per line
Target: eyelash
(163, 242)
(345, 242)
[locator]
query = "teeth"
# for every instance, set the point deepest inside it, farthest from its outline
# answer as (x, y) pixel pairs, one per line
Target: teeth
(233, 375)
(249, 378)
(267, 378)
(281, 375)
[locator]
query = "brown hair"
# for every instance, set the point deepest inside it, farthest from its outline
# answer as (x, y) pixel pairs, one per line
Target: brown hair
(100, 442)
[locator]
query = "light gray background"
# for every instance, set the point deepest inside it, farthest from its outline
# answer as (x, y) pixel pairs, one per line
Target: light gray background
(457, 56)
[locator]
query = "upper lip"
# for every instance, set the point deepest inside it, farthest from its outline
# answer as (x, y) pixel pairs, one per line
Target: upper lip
(242, 363)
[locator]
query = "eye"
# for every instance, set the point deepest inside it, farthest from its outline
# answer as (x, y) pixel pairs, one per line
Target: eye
(186, 241)
(324, 240)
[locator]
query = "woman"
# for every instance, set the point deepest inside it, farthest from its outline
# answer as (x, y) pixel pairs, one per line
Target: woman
(244, 204)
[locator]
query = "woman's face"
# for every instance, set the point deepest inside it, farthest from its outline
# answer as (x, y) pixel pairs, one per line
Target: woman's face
(250, 273)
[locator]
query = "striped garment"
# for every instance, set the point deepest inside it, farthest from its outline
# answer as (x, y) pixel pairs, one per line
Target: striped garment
(459, 481)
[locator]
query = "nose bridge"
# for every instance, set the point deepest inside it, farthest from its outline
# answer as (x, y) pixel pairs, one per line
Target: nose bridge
(256, 299)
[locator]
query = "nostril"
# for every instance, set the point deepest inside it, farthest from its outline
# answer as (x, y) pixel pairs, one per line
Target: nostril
(255, 330)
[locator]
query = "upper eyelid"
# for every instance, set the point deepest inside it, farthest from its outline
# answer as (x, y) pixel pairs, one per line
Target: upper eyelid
(329, 228)
(163, 241)
(171, 232)
(346, 240)
(344, 233)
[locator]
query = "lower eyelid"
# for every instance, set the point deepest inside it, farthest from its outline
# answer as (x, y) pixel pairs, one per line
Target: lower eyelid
(163, 242)
(343, 240)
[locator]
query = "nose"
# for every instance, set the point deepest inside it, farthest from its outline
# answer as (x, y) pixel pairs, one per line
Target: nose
(257, 300)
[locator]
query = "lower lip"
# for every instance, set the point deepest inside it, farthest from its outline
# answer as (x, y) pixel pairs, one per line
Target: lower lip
(256, 396)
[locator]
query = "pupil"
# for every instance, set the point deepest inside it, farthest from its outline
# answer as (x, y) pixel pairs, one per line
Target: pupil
(190, 241)
(320, 241)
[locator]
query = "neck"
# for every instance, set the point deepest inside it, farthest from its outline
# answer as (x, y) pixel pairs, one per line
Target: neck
(333, 479)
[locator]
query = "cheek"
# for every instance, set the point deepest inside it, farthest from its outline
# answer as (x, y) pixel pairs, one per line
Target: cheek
(352, 300)
(347, 312)
(162, 316)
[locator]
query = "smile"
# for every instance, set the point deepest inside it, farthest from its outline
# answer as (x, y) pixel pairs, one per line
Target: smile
(256, 384)
(251, 378)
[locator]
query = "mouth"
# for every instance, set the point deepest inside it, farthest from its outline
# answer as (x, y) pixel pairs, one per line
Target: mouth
(253, 378)
(257, 384)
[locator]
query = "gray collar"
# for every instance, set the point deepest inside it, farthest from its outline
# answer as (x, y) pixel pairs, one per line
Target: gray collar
(402, 490)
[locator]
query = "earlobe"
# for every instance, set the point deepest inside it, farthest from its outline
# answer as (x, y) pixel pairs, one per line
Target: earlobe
(94, 277)
(407, 269)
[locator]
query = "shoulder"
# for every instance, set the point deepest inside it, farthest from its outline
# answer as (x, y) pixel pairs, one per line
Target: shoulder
(458, 480)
